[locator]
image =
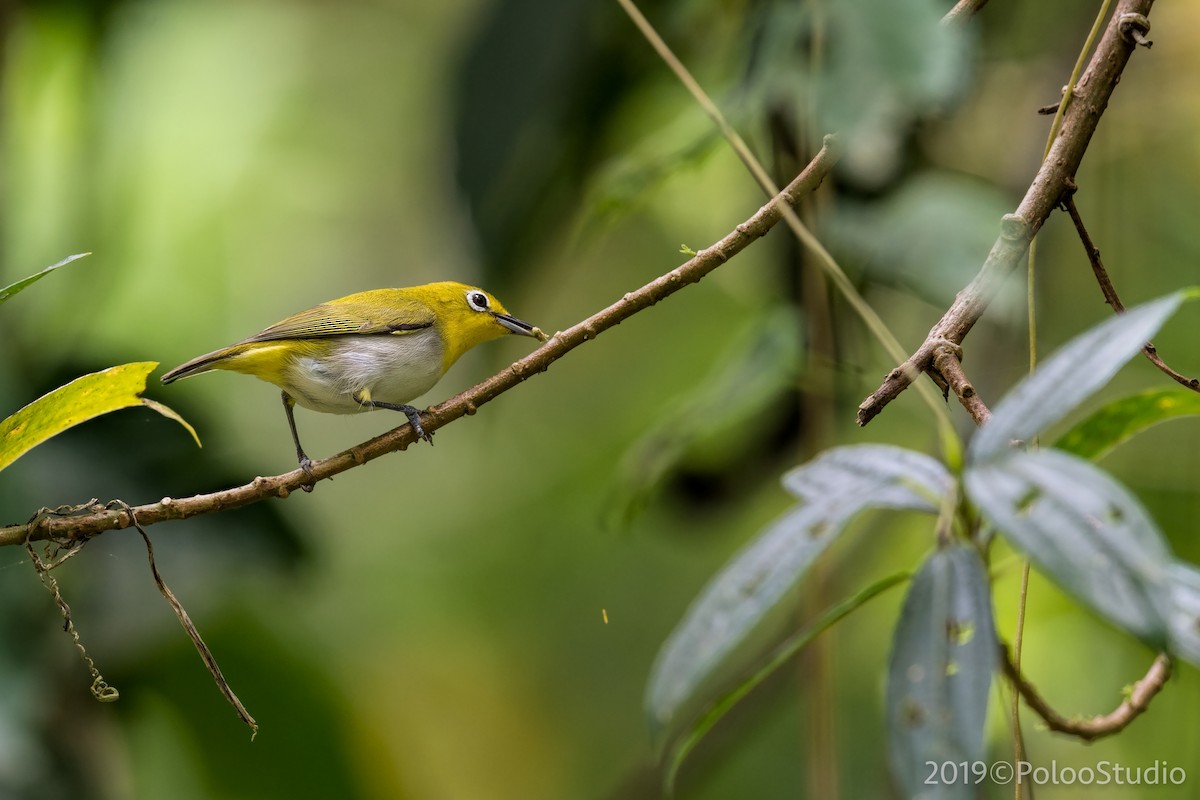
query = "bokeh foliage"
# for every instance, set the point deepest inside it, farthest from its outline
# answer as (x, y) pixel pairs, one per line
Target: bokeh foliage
(433, 625)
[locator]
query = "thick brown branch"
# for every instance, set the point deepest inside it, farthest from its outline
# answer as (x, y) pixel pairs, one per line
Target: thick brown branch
(1099, 726)
(1079, 122)
(963, 10)
(1110, 292)
(464, 404)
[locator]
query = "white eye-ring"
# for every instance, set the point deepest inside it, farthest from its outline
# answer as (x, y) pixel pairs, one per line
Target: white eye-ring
(477, 300)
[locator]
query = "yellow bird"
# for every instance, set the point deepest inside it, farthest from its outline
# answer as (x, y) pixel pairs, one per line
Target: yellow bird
(376, 349)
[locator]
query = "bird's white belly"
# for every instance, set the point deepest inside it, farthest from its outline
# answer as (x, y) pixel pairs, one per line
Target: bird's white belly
(391, 368)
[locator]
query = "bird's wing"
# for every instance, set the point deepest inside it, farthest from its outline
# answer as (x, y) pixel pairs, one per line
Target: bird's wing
(349, 317)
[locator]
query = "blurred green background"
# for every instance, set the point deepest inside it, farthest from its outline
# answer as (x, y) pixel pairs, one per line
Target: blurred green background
(478, 619)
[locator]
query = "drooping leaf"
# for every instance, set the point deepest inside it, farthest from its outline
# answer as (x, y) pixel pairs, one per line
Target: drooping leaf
(898, 477)
(943, 654)
(80, 400)
(789, 648)
(1122, 419)
(1075, 371)
(743, 604)
(1084, 530)
(13, 288)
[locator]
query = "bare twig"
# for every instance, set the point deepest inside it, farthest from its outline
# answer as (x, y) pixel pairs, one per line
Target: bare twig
(947, 360)
(1079, 121)
(1110, 292)
(464, 404)
(963, 10)
(1102, 725)
(185, 620)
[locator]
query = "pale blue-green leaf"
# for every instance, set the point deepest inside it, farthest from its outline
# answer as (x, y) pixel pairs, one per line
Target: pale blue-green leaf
(739, 612)
(1183, 621)
(13, 288)
(943, 654)
(1075, 371)
(905, 478)
(1084, 530)
(782, 654)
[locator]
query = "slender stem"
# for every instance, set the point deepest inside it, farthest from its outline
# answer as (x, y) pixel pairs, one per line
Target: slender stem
(1018, 642)
(1069, 90)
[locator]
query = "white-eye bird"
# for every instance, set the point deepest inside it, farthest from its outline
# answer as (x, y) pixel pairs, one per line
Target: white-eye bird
(375, 349)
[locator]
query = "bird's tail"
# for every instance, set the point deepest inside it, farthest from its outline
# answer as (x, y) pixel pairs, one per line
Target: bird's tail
(203, 363)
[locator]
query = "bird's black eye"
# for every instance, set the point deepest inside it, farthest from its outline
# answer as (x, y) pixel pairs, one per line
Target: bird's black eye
(477, 300)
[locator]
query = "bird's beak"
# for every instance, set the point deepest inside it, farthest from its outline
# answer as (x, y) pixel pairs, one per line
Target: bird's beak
(522, 328)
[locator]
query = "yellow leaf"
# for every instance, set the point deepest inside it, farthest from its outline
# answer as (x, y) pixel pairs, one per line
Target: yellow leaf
(80, 400)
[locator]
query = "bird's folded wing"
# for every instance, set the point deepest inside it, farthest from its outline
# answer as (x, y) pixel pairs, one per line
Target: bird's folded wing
(346, 318)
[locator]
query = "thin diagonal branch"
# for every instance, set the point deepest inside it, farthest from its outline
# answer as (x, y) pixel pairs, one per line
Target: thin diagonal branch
(1110, 292)
(464, 404)
(1079, 122)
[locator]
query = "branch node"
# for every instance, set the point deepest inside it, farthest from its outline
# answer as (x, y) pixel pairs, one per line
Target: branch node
(1134, 28)
(1014, 227)
(947, 360)
(1070, 187)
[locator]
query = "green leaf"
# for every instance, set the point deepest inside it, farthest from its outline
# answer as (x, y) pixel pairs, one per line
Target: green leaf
(789, 648)
(1084, 530)
(80, 400)
(943, 654)
(744, 605)
(1075, 371)
(1121, 419)
(12, 289)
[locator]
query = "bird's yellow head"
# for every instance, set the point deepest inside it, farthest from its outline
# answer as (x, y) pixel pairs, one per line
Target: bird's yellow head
(466, 316)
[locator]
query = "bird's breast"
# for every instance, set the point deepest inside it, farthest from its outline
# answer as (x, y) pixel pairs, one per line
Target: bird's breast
(393, 368)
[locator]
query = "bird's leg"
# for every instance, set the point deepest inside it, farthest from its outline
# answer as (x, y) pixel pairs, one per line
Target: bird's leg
(363, 398)
(305, 461)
